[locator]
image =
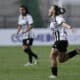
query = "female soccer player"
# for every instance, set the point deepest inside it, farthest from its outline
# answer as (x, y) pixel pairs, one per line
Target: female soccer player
(25, 22)
(58, 25)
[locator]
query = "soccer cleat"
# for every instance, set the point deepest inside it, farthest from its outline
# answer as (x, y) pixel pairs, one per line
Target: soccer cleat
(28, 64)
(78, 50)
(52, 76)
(36, 61)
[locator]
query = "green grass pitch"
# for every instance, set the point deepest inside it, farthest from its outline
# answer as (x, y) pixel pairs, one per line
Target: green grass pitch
(12, 60)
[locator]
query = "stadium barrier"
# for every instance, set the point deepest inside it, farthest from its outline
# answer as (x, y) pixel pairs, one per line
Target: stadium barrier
(41, 37)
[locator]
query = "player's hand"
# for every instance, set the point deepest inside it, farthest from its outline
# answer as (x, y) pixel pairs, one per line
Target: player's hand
(16, 36)
(23, 32)
(73, 29)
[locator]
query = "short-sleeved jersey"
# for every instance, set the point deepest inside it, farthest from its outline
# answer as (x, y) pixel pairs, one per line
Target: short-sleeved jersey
(59, 32)
(24, 22)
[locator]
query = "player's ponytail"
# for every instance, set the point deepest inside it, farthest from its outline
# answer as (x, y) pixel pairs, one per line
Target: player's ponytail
(62, 10)
(59, 10)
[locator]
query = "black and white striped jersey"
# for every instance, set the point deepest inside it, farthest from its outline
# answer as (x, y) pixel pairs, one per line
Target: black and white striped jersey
(59, 32)
(24, 22)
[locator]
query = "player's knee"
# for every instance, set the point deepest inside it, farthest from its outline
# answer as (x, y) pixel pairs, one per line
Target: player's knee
(25, 46)
(52, 55)
(61, 60)
(26, 50)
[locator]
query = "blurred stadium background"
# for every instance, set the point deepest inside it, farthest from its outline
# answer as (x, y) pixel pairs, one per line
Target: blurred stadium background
(12, 57)
(39, 9)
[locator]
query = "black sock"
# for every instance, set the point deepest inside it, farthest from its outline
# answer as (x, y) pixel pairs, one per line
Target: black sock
(54, 71)
(33, 54)
(29, 54)
(72, 53)
(26, 50)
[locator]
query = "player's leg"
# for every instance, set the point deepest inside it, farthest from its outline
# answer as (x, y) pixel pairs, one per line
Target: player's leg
(53, 60)
(27, 51)
(62, 49)
(31, 52)
(63, 56)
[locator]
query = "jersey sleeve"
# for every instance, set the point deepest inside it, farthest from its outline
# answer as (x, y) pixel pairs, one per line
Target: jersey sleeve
(30, 19)
(19, 22)
(60, 20)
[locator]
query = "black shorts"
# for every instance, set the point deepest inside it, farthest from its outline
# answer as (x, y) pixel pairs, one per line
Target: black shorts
(61, 45)
(28, 42)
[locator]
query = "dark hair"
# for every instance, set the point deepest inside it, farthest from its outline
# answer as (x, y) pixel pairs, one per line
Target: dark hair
(59, 10)
(25, 7)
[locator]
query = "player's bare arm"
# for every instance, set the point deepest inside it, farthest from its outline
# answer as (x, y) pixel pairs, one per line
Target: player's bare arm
(18, 29)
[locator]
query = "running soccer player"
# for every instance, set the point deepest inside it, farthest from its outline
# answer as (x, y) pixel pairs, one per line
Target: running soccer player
(25, 22)
(58, 26)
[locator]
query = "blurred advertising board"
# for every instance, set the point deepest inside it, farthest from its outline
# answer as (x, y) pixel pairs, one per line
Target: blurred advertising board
(41, 37)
